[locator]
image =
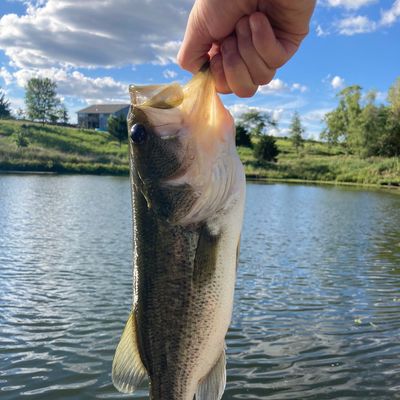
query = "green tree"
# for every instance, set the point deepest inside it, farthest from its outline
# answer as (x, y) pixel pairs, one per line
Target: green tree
(53, 114)
(5, 111)
(59, 114)
(242, 136)
(118, 127)
(41, 99)
(256, 122)
(391, 141)
(266, 149)
(394, 97)
(296, 132)
(392, 133)
(343, 124)
(20, 113)
(62, 114)
(368, 138)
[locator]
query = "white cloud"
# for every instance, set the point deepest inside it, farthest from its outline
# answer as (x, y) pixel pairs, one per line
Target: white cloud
(337, 82)
(166, 52)
(275, 86)
(240, 108)
(298, 86)
(7, 77)
(390, 16)
(321, 31)
(94, 33)
(349, 4)
(169, 74)
(315, 116)
(77, 85)
(278, 86)
(357, 24)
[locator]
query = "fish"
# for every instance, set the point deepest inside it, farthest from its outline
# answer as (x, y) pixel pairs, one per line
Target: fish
(188, 195)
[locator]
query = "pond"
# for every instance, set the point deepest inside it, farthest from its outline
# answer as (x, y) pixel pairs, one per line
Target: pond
(317, 307)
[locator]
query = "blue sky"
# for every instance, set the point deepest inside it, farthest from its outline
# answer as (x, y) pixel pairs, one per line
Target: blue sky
(94, 49)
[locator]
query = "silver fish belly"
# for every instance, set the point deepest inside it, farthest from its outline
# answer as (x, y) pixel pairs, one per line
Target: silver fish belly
(188, 197)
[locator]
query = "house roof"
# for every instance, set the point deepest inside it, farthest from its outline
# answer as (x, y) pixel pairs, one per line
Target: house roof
(103, 108)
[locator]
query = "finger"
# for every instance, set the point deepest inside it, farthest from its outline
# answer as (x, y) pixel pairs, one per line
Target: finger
(196, 44)
(260, 73)
(236, 73)
(215, 49)
(274, 52)
(217, 70)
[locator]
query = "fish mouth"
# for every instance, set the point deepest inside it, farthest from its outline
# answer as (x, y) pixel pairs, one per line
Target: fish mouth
(156, 96)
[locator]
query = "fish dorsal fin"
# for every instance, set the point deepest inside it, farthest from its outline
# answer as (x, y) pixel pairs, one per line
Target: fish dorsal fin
(128, 370)
(213, 385)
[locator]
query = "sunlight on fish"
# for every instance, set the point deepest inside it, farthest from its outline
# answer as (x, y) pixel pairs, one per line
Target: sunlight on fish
(188, 191)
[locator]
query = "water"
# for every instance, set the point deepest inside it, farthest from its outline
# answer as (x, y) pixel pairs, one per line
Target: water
(317, 309)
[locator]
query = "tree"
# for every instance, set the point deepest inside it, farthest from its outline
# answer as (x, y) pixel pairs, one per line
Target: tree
(62, 114)
(391, 141)
(368, 129)
(41, 99)
(343, 124)
(5, 111)
(118, 127)
(20, 113)
(394, 97)
(242, 136)
(266, 149)
(255, 122)
(392, 138)
(296, 132)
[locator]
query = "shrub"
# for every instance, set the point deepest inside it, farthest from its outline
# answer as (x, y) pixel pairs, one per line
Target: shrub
(243, 136)
(266, 149)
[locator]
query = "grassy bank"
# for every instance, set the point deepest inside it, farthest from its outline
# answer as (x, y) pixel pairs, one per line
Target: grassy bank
(70, 150)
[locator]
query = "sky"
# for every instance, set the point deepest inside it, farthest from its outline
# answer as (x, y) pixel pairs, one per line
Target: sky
(94, 49)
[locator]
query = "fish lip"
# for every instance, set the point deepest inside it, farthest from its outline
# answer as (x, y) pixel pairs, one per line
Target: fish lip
(141, 94)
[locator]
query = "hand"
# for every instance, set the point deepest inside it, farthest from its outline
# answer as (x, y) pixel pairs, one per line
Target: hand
(245, 40)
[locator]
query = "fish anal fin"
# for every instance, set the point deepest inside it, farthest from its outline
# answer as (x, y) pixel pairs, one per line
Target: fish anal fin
(213, 385)
(128, 370)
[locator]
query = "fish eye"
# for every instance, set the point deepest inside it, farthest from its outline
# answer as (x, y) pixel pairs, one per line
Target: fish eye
(138, 134)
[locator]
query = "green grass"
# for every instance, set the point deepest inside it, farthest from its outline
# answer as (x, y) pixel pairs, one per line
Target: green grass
(70, 150)
(61, 149)
(319, 162)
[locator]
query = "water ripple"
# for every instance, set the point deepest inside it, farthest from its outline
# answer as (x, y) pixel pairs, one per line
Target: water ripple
(317, 300)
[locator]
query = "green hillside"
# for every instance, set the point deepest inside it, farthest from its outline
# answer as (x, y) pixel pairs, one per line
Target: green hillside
(70, 150)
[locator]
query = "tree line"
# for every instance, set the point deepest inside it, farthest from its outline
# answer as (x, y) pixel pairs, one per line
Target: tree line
(358, 123)
(363, 127)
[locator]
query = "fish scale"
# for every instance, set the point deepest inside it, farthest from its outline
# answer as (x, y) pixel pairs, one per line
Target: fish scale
(188, 197)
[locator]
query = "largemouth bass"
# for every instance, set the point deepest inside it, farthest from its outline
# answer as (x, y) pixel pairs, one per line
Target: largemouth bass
(188, 191)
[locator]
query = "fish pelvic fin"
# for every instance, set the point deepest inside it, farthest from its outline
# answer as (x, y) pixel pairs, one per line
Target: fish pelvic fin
(213, 385)
(128, 370)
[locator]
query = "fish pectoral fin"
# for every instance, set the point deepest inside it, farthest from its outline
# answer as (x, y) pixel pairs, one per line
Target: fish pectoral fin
(128, 370)
(213, 385)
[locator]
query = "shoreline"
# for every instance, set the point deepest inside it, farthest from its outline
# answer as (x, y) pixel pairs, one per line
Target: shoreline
(395, 188)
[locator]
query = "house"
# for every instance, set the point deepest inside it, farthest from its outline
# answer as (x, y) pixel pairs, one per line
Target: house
(96, 116)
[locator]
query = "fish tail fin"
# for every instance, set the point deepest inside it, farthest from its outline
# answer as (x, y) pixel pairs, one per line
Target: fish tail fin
(128, 370)
(213, 385)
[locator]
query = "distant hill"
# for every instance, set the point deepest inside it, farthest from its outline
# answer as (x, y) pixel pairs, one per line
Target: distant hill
(70, 150)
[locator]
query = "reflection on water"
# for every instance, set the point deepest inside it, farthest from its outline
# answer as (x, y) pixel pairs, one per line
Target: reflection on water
(317, 310)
